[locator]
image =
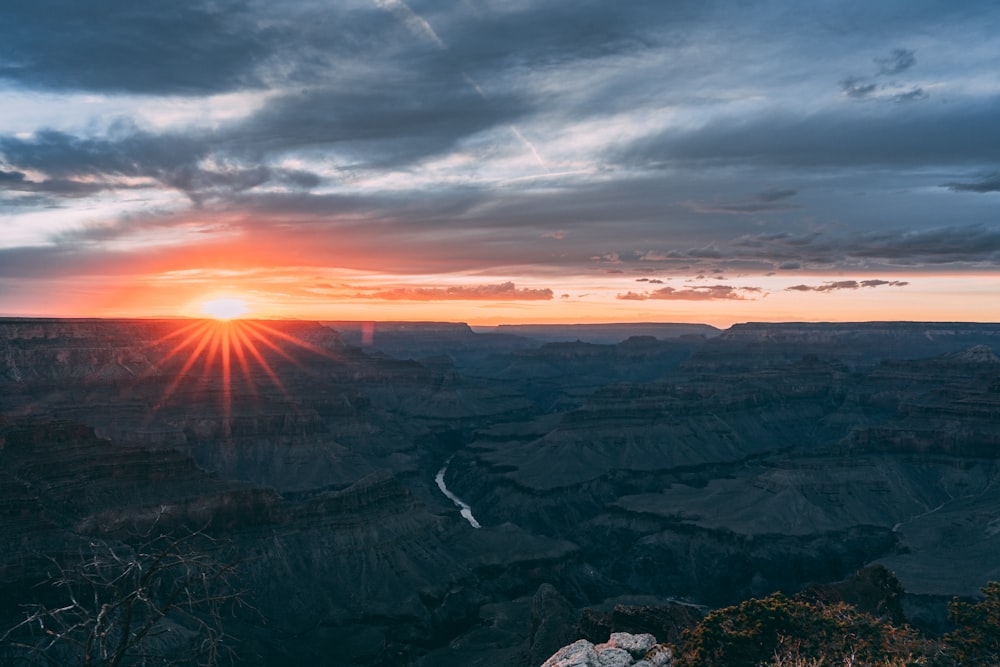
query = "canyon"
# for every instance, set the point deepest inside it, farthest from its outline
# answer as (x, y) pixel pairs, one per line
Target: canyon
(598, 478)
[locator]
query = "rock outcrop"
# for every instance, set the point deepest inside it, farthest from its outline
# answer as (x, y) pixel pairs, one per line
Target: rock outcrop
(621, 650)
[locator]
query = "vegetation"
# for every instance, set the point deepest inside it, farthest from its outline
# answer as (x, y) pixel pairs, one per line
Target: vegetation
(976, 639)
(777, 631)
(158, 602)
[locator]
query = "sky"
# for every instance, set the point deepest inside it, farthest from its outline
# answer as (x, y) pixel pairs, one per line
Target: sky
(495, 161)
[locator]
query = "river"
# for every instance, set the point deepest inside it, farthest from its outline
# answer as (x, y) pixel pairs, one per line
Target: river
(466, 511)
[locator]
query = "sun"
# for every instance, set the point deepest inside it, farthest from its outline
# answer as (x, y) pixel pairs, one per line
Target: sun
(225, 308)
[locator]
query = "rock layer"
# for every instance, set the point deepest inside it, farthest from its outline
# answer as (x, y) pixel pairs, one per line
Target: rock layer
(621, 488)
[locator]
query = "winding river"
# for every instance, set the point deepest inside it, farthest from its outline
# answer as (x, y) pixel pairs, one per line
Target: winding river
(466, 511)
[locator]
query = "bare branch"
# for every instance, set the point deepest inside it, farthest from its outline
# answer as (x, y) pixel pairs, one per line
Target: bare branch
(119, 597)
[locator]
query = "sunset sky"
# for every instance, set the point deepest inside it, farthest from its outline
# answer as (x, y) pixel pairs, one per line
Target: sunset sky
(498, 161)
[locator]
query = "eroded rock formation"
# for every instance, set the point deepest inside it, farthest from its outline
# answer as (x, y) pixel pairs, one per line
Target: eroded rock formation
(621, 488)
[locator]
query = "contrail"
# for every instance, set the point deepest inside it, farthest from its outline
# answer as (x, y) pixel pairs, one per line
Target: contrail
(531, 147)
(421, 28)
(413, 21)
(475, 86)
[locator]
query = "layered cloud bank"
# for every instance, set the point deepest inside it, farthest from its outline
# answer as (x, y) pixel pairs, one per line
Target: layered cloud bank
(501, 161)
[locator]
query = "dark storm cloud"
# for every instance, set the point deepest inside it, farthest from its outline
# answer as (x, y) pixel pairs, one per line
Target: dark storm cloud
(130, 153)
(762, 202)
(383, 95)
(384, 122)
(840, 138)
(8, 178)
(208, 46)
(846, 285)
(416, 209)
(373, 124)
(76, 165)
(554, 32)
(856, 88)
(990, 183)
(132, 46)
(934, 246)
(59, 188)
(968, 244)
(896, 62)
(18, 181)
(775, 195)
(410, 103)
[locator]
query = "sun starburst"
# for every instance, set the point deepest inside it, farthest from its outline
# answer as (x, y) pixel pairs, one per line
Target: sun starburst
(220, 343)
(225, 308)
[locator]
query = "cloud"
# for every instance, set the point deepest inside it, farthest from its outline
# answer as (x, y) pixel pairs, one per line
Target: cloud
(853, 87)
(76, 165)
(856, 89)
(607, 258)
(384, 139)
(169, 159)
(838, 138)
(372, 123)
(115, 46)
(910, 95)
(703, 293)
(18, 181)
(499, 292)
(898, 247)
(898, 61)
(846, 284)
(990, 183)
(377, 121)
(543, 35)
(940, 245)
(761, 202)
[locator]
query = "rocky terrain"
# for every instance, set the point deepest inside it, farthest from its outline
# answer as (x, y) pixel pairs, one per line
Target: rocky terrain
(619, 487)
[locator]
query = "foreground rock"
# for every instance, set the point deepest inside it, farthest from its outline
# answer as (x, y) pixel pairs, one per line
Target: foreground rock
(621, 650)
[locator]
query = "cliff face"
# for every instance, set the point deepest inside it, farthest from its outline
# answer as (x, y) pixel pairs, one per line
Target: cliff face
(276, 438)
(710, 469)
(722, 484)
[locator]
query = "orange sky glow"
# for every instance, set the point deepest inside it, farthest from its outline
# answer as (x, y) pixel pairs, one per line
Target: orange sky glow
(311, 295)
